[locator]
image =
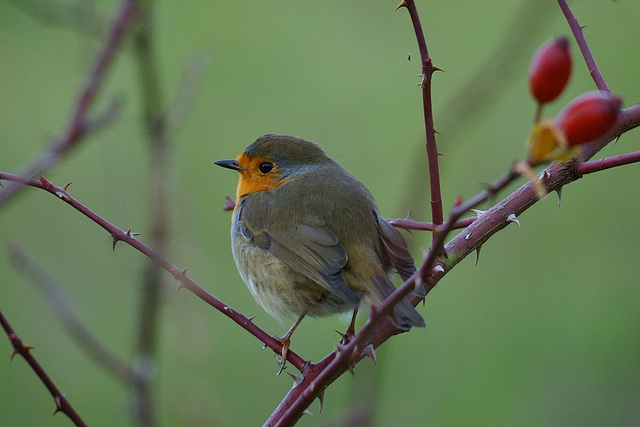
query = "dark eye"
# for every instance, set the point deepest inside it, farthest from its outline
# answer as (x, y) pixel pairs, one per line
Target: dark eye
(265, 167)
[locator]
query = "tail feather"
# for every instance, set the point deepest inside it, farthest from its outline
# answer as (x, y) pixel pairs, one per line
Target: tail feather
(404, 314)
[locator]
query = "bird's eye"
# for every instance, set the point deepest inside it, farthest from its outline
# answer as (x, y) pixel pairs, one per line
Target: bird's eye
(265, 167)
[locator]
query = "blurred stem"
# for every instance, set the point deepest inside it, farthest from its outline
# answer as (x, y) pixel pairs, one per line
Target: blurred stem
(151, 292)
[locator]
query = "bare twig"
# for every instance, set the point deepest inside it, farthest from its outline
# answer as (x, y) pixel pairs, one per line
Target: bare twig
(576, 29)
(585, 168)
(24, 350)
(72, 324)
(79, 124)
(409, 224)
(432, 149)
(128, 237)
(155, 125)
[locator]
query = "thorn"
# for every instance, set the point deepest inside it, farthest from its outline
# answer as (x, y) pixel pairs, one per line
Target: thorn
(321, 400)
(351, 366)
(307, 412)
(408, 217)
(436, 131)
(368, 351)
(512, 218)
(559, 193)
(434, 68)
(131, 234)
(62, 196)
(403, 3)
(467, 236)
(58, 402)
(115, 240)
(440, 154)
(343, 337)
(614, 141)
(418, 288)
(478, 212)
(543, 176)
(250, 319)
(297, 379)
(180, 278)
(67, 185)
(437, 270)
(478, 253)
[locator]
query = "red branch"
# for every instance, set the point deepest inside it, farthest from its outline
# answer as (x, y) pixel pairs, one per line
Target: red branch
(607, 163)
(576, 29)
(128, 237)
(428, 68)
(24, 350)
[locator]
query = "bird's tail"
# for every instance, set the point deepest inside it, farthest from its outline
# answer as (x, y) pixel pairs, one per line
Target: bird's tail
(404, 314)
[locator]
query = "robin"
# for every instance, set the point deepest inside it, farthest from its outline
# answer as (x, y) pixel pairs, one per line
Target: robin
(307, 237)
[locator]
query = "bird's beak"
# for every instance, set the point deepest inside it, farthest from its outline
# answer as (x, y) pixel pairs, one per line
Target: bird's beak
(230, 164)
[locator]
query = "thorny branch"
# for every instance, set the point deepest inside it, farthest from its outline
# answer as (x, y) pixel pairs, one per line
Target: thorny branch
(24, 350)
(180, 275)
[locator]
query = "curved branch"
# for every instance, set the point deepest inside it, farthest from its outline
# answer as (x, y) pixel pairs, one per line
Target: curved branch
(128, 237)
(24, 350)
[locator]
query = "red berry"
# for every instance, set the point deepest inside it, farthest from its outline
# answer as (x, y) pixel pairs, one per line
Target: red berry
(587, 117)
(550, 69)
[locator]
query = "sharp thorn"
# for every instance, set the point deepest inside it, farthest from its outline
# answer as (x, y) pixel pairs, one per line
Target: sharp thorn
(58, 402)
(297, 379)
(67, 185)
(478, 212)
(307, 412)
(321, 400)
(115, 240)
(368, 351)
(418, 288)
(559, 193)
(131, 234)
(512, 218)
(402, 4)
(478, 253)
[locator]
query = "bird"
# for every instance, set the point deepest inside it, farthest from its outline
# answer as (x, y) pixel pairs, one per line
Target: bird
(307, 238)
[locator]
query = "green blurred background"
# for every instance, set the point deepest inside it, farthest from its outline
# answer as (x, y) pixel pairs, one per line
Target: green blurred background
(545, 330)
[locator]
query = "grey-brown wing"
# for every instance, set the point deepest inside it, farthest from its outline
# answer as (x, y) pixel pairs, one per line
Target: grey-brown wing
(310, 249)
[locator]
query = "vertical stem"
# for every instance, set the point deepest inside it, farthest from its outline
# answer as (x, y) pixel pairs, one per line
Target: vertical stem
(576, 29)
(430, 133)
(151, 291)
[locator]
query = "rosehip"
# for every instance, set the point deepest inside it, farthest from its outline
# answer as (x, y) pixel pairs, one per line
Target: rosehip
(587, 117)
(550, 69)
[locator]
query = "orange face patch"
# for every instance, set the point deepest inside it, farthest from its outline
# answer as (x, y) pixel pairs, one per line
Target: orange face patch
(253, 179)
